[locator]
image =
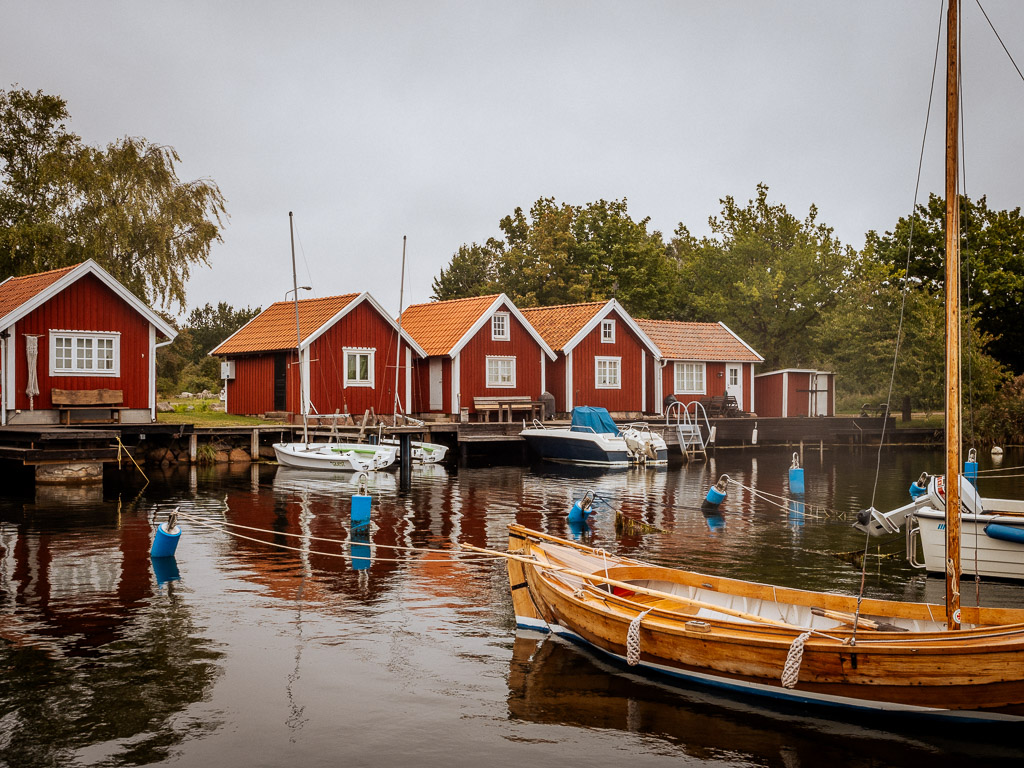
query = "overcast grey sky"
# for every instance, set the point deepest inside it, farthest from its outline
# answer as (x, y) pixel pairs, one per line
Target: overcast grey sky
(374, 120)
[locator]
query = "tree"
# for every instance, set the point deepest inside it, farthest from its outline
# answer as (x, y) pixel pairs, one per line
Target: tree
(471, 272)
(208, 326)
(62, 202)
(768, 275)
(992, 250)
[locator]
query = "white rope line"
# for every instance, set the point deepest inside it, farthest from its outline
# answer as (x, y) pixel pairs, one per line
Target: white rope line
(306, 550)
(795, 657)
(633, 639)
(809, 509)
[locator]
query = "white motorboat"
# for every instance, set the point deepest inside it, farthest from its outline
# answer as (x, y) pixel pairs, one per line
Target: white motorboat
(422, 453)
(345, 457)
(593, 438)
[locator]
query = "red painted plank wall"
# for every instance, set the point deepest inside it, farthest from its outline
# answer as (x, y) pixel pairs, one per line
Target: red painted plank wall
(768, 395)
(799, 402)
(555, 380)
(86, 305)
(473, 362)
(251, 392)
(627, 346)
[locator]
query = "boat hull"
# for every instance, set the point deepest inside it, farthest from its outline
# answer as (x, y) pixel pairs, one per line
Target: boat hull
(980, 553)
(584, 448)
(335, 457)
(977, 674)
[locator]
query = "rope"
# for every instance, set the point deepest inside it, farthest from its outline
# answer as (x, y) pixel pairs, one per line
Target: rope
(633, 639)
(791, 669)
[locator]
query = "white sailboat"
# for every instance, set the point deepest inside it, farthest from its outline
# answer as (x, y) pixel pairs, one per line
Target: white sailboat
(345, 457)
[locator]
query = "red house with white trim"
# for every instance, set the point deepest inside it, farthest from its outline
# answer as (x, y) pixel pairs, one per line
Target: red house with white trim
(604, 358)
(702, 360)
(350, 355)
(89, 332)
(793, 392)
(482, 346)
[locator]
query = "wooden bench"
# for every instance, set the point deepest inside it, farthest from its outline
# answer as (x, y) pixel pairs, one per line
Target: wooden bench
(501, 405)
(67, 401)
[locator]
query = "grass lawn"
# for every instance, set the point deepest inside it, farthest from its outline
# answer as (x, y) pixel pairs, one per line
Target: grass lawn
(212, 419)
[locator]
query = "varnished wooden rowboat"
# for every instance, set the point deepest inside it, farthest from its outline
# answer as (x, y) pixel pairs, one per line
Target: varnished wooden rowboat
(743, 636)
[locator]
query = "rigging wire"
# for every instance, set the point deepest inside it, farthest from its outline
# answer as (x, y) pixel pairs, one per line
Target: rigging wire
(996, 33)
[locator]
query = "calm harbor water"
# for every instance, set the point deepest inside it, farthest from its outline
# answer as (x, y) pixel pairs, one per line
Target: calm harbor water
(247, 654)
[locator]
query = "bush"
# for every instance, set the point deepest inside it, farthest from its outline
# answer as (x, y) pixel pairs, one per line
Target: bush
(1001, 422)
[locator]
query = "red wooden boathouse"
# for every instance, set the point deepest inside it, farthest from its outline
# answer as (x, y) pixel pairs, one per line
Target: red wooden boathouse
(349, 347)
(90, 333)
(795, 392)
(702, 360)
(603, 357)
(475, 348)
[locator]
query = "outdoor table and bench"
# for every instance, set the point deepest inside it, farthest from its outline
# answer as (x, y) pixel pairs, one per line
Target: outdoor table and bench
(485, 406)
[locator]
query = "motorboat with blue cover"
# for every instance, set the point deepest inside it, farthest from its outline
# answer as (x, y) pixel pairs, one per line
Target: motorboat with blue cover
(593, 438)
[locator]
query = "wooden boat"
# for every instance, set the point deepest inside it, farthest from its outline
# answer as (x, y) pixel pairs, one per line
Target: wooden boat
(344, 457)
(786, 644)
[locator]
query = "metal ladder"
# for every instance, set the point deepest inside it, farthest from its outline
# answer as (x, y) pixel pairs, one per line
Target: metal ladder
(691, 425)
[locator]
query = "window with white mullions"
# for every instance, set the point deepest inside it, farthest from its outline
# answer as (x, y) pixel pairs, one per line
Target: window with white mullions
(501, 371)
(689, 378)
(85, 353)
(607, 331)
(607, 372)
(499, 326)
(359, 367)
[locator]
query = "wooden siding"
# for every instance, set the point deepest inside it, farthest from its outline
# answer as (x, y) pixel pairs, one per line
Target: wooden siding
(628, 347)
(554, 380)
(768, 395)
(421, 385)
(251, 392)
(473, 362)
(86, 305)
(799, 402)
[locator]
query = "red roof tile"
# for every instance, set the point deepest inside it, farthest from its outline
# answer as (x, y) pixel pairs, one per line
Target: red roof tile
(274, 328)
(17, 290)
(557, 325)
(439, 325)
(697, 341)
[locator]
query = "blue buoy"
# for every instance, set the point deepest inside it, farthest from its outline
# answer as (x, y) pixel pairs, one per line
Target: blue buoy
(919, 486)
(717, 492)
(165, 569)
(360, 510)
(582, 508)
(796, 476)
(971, 467)
(165, 540)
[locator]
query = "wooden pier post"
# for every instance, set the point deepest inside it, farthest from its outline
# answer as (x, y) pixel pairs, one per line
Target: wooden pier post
(193, 447)
(404, 461)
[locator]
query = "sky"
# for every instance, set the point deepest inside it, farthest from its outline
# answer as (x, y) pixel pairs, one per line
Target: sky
(433, 120)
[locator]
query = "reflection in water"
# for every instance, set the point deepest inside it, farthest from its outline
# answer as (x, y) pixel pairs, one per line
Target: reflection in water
(307, 638)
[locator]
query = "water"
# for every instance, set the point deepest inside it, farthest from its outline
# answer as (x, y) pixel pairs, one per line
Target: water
(250, 655)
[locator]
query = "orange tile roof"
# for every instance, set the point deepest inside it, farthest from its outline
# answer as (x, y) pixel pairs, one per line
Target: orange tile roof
(274, 327)
(17, 290)
(557, 325)
(697, 341)
(437, 326)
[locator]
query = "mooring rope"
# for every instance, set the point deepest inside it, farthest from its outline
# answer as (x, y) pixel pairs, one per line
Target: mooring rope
(784, 501)
(633, 639)
(795, 657)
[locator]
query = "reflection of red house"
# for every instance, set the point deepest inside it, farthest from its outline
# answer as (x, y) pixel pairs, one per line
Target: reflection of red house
(795, 392)
(476, 347)
(603, 357)
(349, 355)
(703, 360)
(92, 333)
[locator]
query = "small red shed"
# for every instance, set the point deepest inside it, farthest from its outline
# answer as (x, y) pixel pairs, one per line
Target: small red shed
(795, 392)
(604, 358)
(76, 329)
(480, 347)
(350, 351)
(702, 360)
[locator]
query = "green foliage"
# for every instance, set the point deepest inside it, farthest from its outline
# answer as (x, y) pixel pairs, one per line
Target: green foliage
(1001, 422)
(62, 202)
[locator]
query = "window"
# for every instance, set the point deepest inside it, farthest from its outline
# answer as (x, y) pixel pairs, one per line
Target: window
(501, 371)
(689, 378)
(606, 372)
(607, 331)
(499, 326)
(359, 367)
(734, 377)
(81, 353)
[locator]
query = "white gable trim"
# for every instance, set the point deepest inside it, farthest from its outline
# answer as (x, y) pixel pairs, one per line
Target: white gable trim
(612, 306)
(364, 296)
(88, 267)
(486, 316)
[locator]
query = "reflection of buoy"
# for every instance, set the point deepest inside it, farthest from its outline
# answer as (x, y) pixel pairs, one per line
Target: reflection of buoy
(165, 569)
(718, 492)
(997, 451)
(165, 540)
(578, 528)
(796, 476)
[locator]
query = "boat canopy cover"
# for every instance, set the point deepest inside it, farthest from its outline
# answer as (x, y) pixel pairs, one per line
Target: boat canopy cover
(595, 418)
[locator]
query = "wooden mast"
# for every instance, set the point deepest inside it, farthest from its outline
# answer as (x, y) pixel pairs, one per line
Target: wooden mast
(398, 353)
(952, 320)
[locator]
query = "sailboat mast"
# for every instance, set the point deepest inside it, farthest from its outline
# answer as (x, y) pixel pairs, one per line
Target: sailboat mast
(398, 344)
(952, 319)
(298, 333)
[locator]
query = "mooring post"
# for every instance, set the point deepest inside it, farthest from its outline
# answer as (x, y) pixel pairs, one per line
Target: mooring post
(193, 447)
(404, 461)
(254, 444)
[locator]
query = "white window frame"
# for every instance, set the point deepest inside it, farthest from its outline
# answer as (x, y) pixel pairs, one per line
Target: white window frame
(494, 373)
(679, 381)
(87, 341)
(607, 331)
(370, 353)
(729, 372)
(500, 330)
(610, 363)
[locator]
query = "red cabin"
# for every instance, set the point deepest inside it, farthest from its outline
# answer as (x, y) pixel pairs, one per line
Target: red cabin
(477, 349)
(73, 337)
(795, 392)
(702, 360)
(603, 358)
(350, 356)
